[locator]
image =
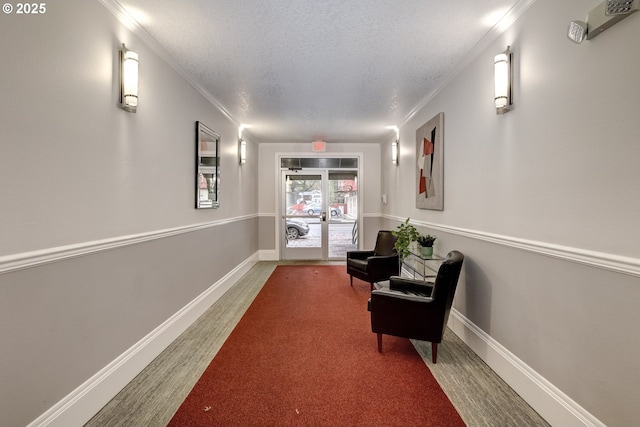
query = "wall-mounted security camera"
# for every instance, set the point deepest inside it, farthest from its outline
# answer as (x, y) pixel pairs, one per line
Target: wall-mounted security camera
(601, 18)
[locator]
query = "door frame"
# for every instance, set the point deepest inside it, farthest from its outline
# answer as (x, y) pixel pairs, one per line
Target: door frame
(314, 252)
(279, 185)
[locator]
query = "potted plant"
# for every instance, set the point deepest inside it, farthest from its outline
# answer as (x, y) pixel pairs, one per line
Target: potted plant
(406, 233)
(426, 244)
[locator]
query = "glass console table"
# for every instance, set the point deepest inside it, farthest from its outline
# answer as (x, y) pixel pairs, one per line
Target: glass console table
(415, 266)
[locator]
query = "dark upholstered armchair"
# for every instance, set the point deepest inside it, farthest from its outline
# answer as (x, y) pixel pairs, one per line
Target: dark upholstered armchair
(414, 308)
(374, 266)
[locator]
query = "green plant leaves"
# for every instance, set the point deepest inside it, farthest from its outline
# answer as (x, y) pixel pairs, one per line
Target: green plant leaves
(406, 233)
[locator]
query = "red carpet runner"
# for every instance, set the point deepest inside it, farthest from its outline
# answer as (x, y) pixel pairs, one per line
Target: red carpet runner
(304, 355)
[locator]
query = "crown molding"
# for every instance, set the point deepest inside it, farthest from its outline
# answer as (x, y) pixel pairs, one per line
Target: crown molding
(511, 16)
(134, 26)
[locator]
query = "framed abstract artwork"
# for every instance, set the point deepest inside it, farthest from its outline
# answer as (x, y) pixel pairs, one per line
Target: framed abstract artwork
(430, 164)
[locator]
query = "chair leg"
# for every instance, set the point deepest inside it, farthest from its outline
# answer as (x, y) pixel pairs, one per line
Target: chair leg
(371, 286)
(434, 351)
(379, 343)
(351, 281)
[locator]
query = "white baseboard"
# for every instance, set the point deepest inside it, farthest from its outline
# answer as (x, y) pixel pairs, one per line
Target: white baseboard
(268, 255)
(85, 401)
(81, 404)
(551, 403)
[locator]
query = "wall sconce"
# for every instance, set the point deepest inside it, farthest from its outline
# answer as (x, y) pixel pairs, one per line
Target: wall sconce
(242, 144)
(394, 144)
(128, 79)
(242, 151)
(394, 152)
(503, 74)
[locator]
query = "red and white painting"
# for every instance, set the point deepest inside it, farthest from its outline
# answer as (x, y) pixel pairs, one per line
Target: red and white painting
(429, 170)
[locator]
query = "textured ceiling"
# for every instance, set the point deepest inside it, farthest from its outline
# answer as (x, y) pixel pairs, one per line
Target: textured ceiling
(336, 70)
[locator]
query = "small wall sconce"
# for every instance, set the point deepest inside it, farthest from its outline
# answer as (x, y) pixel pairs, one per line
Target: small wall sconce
(503, 74)
(394, 144)
(242, 144)
(394, 152)
(242, 151)
(128, 79)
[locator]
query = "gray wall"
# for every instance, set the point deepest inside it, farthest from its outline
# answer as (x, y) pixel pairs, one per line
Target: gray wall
(544, 203)
(62, 322)
(78, 173)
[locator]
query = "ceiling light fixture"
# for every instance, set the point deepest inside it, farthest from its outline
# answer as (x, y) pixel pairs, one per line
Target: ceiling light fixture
(128, 79)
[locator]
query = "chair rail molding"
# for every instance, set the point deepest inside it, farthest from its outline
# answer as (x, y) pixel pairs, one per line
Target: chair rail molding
(602, 260)
(20, 261)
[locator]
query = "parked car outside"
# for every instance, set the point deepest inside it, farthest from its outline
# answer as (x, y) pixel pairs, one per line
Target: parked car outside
(316, 208)
(297, 209)
(296, 228)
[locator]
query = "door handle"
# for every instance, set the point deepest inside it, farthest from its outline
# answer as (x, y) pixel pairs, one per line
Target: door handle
(324, 216)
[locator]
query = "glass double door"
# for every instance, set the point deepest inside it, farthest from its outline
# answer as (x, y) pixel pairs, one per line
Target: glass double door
(320, 214)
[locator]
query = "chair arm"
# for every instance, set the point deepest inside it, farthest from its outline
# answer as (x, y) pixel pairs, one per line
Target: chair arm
(390, 294)
(403, 284)
(381, 267)
(359, 254)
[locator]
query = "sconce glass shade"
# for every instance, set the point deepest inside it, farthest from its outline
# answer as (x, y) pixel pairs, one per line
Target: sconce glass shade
(243, 151)
(394, 152)
(502, 74)
(128, 79)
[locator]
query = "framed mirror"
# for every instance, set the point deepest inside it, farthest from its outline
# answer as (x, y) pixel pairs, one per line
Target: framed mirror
(207, 167)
